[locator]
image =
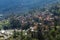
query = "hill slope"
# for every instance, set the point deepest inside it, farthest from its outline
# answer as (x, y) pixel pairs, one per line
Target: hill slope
(17, 6)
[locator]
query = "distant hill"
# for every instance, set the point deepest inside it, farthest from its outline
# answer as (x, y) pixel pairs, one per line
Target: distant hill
(17, 6)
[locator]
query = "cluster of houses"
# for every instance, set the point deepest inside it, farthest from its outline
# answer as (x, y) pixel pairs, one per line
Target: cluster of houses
(45, 20)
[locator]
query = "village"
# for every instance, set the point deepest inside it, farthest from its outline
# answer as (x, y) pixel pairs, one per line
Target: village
(32, 23)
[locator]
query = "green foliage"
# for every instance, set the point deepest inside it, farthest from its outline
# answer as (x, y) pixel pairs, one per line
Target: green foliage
(4, 23)
(14, 22)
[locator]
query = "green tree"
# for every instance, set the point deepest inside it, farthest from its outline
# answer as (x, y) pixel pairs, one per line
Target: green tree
(14, 22)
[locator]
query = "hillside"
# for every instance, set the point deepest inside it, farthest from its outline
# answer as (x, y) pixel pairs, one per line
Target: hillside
(17, 6)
